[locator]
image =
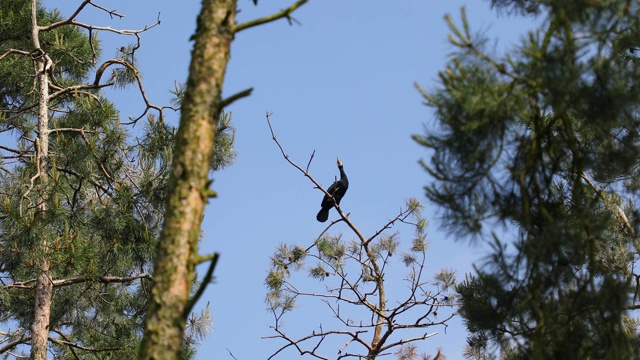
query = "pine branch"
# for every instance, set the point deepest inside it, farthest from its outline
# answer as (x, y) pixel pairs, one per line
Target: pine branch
(14, 51)
(104, 66)
(77, 346)
(71, 21)
(81, 279)
(14, 343)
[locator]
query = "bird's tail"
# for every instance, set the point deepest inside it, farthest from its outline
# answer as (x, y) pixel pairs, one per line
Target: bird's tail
(323, 214)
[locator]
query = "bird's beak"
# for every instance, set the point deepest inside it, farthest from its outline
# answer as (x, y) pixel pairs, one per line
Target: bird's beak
(339, 162)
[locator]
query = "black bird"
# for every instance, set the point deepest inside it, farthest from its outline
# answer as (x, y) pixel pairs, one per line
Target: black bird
(337, 190)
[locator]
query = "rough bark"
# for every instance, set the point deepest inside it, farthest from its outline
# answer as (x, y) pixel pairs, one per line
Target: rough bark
(188, 186)
(44, 286)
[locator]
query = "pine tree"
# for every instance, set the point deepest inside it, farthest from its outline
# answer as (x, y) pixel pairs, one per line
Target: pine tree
(82, 200)
(543, 140)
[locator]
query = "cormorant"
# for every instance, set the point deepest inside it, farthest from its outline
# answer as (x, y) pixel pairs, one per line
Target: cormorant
(337, 190)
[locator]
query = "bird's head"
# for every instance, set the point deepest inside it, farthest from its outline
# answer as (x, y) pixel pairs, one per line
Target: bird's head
(339, 162)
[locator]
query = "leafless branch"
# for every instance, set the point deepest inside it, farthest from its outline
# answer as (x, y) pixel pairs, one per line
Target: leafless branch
(231, 354)
(416, 311)
(15, 151)
(77, 346)
(71, 21)
(310, 160)
(205, 282)
(317, 185)
(29, 284)
(237, 96)
(285, 13)
(319, 336)
(15, 343)
(136, 73)
(92, 182)
(14, 51)
(111, 13)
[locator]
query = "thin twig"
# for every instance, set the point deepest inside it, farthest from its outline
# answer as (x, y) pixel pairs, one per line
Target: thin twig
(230, 353)
(307, 175)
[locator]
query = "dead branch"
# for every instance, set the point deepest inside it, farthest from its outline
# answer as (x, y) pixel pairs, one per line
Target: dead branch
(78, 346)
(205, 281)
(307, 175)
(143, 93)
(81, 279)
(417, 311)
(71, 21)
(237, 96)
(111, 13)
(14, 51)
(285, 13)
(353, 336)
(15, 151)
(15, 343)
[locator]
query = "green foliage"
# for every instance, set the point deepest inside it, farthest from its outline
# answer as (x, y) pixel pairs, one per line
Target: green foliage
(102, 190)
(198, 328)
(544, 140)
(223, 153)
(70, 47)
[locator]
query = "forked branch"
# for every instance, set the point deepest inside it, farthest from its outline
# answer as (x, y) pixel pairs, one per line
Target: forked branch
(359, 268)
(283, 14)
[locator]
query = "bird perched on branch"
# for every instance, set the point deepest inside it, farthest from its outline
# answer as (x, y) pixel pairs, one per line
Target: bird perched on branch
(337, 191)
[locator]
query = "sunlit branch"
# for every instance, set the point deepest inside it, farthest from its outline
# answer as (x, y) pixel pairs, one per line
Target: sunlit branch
(285, 13)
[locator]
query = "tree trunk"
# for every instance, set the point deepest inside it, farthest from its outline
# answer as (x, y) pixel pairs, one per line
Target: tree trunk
(40, 326)
(188, 186)
(44, 286)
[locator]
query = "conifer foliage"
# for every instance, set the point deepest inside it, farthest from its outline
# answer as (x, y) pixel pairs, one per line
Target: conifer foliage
(544, 140)
(81, 202)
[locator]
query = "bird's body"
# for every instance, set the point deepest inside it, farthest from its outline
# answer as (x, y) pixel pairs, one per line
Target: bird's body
(337, 191)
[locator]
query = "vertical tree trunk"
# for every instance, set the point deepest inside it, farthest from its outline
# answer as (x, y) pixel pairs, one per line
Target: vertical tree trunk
(44, 286)
(201, 108)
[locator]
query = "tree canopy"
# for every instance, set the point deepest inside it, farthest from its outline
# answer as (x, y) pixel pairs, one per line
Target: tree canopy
(82, 194)
(543, 140)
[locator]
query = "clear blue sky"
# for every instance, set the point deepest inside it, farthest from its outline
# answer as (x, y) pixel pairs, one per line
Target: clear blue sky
(340, 84)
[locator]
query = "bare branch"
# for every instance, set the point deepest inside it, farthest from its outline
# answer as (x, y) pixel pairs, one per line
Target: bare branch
(29, 284)
(136, 74)
(416, 311)
(244, 93)
(71, 21)
(310, 160)
(320, 336)
(205, 281)
(14, 51)
(15, 151)
(286, 13)
(103, 279)
(111, 13)
(307, 175)
(14, 343)
(231, 354)
(77, 346)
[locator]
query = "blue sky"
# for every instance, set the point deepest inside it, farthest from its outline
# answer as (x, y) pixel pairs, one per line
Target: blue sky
(341, 83)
